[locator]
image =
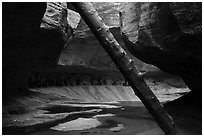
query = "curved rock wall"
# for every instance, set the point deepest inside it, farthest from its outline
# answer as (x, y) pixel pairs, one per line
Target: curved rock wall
(55, 17)
(167, 35)
(84, 49)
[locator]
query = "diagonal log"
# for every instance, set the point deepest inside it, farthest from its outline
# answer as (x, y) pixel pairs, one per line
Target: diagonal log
(126, 66)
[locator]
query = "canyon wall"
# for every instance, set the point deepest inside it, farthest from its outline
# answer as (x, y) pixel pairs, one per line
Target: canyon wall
(85, 50)
(38, 37)
(167, 35)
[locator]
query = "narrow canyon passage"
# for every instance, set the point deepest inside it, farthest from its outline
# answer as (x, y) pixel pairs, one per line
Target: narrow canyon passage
(58, 80)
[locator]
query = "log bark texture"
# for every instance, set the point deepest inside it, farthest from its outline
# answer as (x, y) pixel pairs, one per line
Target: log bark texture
(126, 66)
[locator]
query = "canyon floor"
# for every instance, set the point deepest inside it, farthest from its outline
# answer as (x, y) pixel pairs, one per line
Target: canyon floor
(98, 110)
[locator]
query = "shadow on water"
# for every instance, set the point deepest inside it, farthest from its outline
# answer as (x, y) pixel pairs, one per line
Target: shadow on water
(108, 124)
(66, 109)
(16, 130)
(127, 110)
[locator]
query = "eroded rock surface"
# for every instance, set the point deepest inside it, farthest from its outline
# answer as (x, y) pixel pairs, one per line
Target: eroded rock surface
(167, 35)
(55, 17)
(84, 49)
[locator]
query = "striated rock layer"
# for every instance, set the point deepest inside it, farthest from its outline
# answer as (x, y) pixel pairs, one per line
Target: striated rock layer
(84, 49)
(167, 35)
(55, 17)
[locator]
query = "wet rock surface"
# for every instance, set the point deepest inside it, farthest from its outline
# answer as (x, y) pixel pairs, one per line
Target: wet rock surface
(80, 76)
(50, 107)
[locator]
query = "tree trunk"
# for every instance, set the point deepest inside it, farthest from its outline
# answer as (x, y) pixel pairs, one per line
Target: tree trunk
(126, 66)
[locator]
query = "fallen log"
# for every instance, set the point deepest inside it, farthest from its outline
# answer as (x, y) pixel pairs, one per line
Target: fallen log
(126, 66)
